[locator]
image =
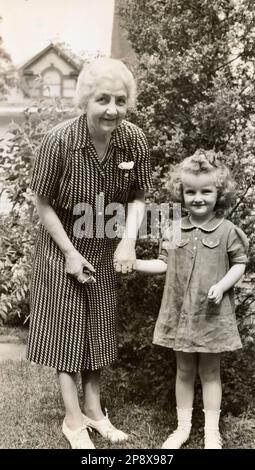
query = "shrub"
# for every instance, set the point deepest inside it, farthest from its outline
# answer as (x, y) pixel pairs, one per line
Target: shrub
(18, 228)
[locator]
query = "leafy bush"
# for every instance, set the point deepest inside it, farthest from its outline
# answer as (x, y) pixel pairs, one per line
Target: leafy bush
(8, 76)
(195, 74)
(196, 89)
(17, 240)
(18, 228)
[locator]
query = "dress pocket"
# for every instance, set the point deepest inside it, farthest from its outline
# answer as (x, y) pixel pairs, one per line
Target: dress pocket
(210, 242)
(182, 243)
(210, 268)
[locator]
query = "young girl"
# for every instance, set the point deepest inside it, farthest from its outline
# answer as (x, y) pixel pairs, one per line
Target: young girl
(197, 317)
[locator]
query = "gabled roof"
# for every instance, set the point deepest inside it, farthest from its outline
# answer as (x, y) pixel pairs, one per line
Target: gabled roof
(58, 51)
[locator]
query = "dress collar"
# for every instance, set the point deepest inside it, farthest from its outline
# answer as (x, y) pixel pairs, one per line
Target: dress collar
(81, 136)
(80, 132)
(209, 226)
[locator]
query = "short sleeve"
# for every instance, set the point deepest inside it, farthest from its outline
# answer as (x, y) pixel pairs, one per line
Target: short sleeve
(165, 243)
(237, 247)
(47, 167)
(143, 177)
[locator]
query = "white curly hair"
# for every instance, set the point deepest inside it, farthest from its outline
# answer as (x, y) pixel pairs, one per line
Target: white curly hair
(104, 68)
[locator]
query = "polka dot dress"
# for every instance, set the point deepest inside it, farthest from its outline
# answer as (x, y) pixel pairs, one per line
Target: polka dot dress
(73, 325)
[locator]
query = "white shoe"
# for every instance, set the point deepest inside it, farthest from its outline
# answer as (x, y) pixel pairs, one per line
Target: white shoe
(79, 438)
(176, 439)
(106, 429)
(213, 440)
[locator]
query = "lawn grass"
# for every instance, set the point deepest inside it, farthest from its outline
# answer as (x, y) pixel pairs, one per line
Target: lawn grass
(31, 413)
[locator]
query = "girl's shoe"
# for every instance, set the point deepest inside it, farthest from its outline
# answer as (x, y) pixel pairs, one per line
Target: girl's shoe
(106, 429)
(79, 438)
(213, 440)
(176, 439)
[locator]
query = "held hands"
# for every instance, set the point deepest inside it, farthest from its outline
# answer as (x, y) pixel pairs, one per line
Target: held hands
(78, 267)
(215, 294)
(124, 259)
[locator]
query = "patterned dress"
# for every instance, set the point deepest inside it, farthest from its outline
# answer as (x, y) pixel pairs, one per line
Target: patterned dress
(73, 325)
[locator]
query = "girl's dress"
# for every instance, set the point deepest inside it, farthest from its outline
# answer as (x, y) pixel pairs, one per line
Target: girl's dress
(188, 321)
(73, 325)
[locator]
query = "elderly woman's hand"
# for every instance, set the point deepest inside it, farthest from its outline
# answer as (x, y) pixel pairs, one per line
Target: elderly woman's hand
(78, 267)
(125, 256)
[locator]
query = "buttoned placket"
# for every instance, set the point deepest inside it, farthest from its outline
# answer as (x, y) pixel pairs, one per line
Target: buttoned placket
(194, 244)
(104, 166)
(193, 248)
(197, 231)
(100, 206)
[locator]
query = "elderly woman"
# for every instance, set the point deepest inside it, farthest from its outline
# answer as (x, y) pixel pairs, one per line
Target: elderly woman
(90, 161)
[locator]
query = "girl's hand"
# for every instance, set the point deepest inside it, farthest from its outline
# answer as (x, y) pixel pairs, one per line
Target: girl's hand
(215, 294)
(124, 259)
(78, 267)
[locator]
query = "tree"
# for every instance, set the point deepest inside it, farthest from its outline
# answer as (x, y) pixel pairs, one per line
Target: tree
(7, 71)
(196, 87)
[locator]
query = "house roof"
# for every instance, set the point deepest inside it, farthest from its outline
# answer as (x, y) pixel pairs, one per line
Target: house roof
(59, 51)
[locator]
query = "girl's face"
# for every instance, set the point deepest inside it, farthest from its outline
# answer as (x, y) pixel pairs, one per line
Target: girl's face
(200, 195)
(107, 106)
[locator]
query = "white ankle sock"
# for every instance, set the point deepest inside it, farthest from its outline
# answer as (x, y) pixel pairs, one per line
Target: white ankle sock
(212, 433)
(184, 417)
(212, 420)
(181, 434)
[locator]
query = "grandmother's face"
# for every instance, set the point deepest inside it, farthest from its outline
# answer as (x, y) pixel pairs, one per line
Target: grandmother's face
(107, 106)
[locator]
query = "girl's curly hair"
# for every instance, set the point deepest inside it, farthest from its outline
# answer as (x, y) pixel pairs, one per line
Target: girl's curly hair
(203, 161)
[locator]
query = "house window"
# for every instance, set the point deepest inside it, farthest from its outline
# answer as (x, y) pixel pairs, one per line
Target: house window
(52, 83)
(69, 85)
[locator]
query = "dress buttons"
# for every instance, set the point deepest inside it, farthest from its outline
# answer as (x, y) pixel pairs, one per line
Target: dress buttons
(197, 229)
(194, 247)
(195, 238)
(100, 213)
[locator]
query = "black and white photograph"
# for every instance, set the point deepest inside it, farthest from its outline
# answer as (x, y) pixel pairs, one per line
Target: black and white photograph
(127, 241)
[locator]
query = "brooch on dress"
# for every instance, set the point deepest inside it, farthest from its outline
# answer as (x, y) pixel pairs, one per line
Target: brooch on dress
(126, 166)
